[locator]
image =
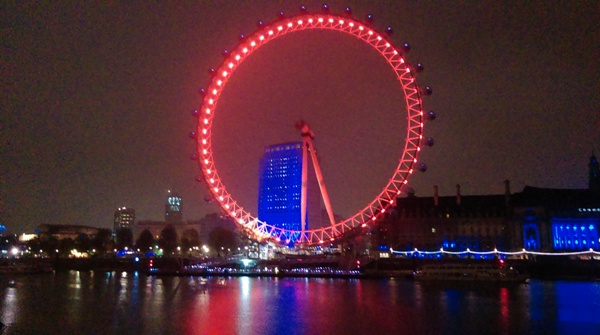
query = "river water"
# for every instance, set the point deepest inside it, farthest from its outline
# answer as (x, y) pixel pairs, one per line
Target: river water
(131, 303)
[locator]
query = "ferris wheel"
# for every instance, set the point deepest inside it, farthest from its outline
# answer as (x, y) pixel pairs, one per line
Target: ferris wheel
(323, 21)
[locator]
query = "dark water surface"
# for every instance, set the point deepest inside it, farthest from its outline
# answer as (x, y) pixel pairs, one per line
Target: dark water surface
(130, 303)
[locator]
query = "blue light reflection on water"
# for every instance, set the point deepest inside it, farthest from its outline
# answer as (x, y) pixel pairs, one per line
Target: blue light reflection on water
(576, 311)
(130, 303)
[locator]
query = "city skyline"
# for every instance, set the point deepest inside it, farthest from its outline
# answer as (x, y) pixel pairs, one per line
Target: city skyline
(98, 100)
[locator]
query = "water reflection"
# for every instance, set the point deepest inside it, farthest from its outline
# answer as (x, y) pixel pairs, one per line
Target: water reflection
(9, 307)
(132, 303)
(576, 311)
(504, 299)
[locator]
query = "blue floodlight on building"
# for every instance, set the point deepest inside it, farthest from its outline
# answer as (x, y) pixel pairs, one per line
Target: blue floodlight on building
(280, 190)
(280, 186)
(575, 234)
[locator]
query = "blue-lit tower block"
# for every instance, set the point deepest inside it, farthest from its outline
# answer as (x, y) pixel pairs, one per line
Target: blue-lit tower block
(280, 187)
(173, 209)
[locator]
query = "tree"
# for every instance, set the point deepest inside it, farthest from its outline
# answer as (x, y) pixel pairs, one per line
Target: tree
(65, 246)
(47, 244)
(124, 238)
(190, 238)
(83, 243)
(168, 239)
(101, 242)
(222, 239)
(145, 241)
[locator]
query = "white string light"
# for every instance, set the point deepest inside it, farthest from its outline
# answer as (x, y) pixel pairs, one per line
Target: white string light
(495, 252)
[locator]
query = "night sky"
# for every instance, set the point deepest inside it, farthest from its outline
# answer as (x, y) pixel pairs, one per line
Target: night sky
(96, 102)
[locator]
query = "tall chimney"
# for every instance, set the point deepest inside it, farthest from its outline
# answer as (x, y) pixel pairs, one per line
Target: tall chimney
(436, 199)
(507, 194)
(507, 187)
(458, 194)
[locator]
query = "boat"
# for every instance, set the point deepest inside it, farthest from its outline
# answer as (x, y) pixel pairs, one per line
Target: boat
(470, 272)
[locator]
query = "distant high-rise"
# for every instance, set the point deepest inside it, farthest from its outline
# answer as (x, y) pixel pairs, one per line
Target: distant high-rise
(280, 187)
(124, 218)
(173, 209)
(594, 168)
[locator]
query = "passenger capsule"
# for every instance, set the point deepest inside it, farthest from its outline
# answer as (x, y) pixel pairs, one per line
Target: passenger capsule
(426, 90)
(429, 142)
(431, 115)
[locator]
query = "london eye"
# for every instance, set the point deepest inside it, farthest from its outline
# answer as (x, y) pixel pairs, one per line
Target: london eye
(413, 111)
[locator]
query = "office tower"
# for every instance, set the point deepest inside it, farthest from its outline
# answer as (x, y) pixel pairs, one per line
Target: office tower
(124, 218)
(173, 209)
(280, 187)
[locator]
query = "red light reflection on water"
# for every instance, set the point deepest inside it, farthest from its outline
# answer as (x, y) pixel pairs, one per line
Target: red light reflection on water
(504, 309)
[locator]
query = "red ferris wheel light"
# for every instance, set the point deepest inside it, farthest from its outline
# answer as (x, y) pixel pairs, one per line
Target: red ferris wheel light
(317, 21)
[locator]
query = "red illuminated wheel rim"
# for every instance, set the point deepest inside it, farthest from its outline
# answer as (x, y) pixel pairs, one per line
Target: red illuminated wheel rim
(384, 200)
